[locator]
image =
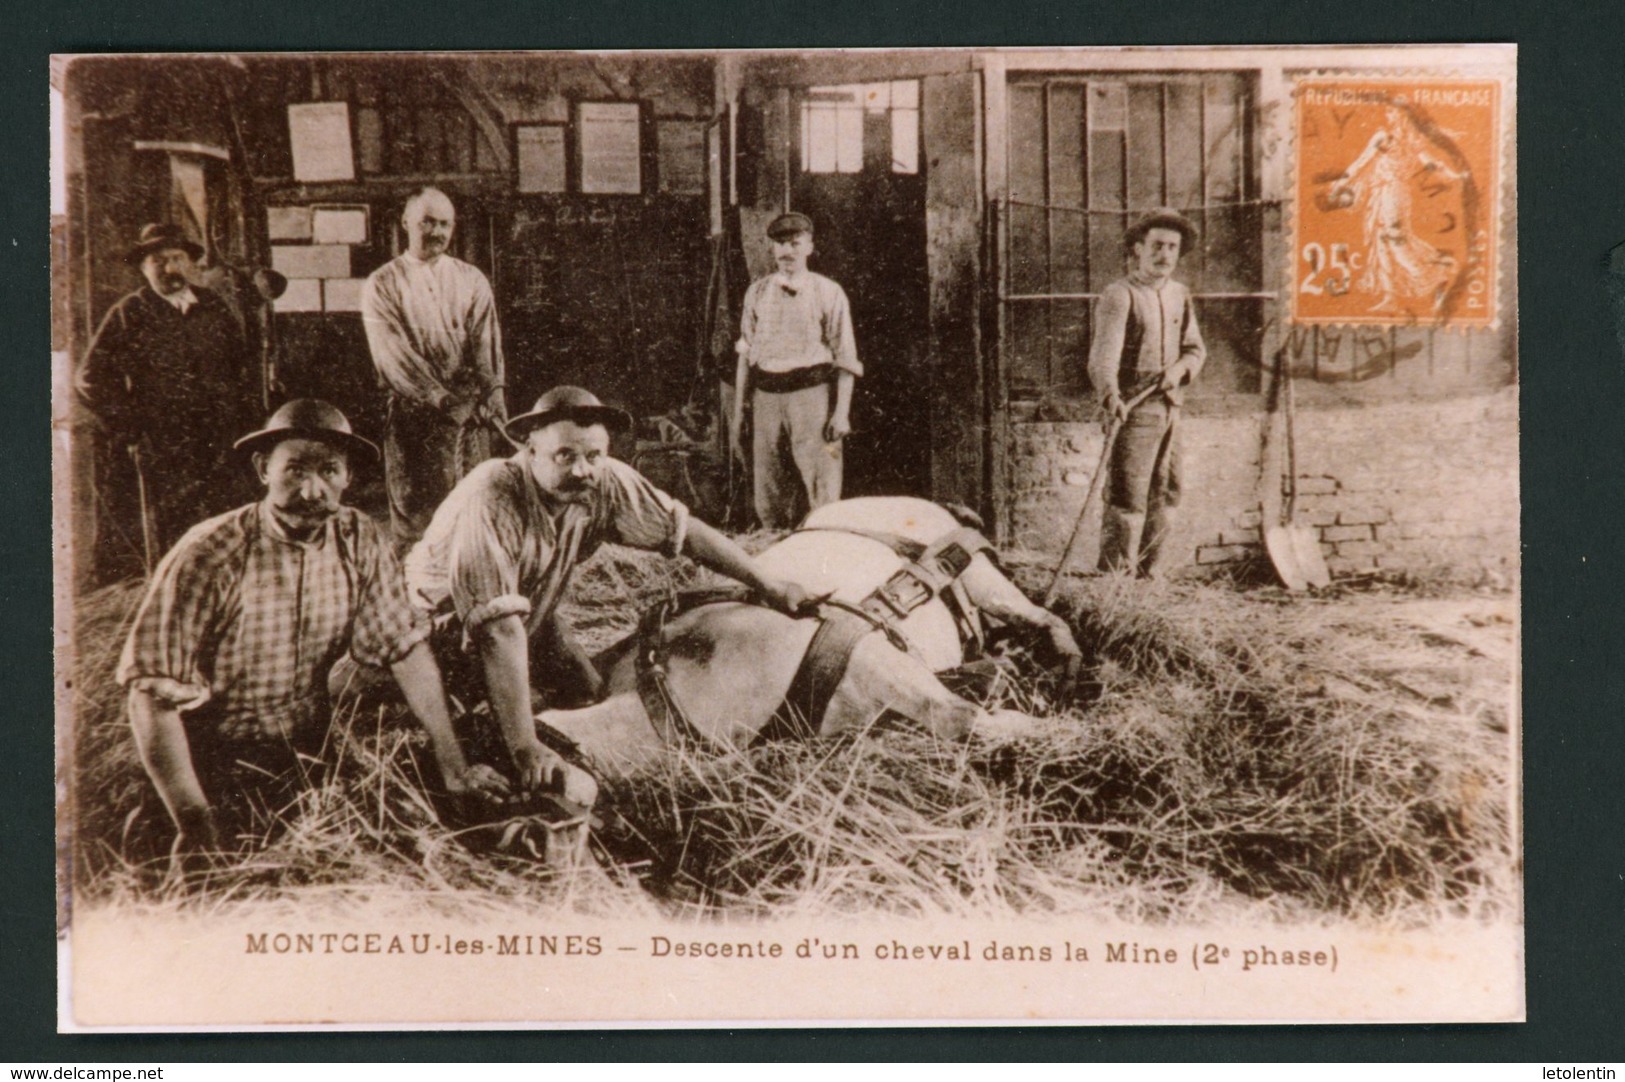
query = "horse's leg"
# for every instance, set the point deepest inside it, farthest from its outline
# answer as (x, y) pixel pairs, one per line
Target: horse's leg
(614, 736)
(880, 677)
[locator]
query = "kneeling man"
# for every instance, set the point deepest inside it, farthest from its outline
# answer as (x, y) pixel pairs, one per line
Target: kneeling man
(500, 551)
(227, 663)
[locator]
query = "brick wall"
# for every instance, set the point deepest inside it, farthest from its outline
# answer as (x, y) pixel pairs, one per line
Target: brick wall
(1413, 486)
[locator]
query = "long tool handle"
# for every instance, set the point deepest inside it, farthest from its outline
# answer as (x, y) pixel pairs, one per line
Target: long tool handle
(149, 527)
(1112, 430)
(1291, 447)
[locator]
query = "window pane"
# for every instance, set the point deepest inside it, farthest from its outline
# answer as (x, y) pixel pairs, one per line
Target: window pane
(849, 140)
(905, 94)
(905, 141)
(876, 97)
(820, 139)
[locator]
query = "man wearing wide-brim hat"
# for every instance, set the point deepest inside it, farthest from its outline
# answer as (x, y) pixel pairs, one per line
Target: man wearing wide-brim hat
(227, 662)
(1145, 336)
(169, 381)
(500, 551)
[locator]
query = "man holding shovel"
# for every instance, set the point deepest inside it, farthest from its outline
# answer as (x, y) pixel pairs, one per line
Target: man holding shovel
(1145, 337)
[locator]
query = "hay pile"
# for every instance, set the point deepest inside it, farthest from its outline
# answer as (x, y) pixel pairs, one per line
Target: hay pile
(1236, 752)
(1226, 753)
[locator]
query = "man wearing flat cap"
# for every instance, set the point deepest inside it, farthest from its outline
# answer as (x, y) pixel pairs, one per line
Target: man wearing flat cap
(797, 365)
(500, 551)
(227, 663)
(1145, 335)
(168, 380)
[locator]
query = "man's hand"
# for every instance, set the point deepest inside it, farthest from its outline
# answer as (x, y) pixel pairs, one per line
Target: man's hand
(1114, 408)
(1065, 647)
(837, 428)
(1174, 375)
(789, 597)
(479, 781)
(493, 407)
(459, 411)
(538, 766)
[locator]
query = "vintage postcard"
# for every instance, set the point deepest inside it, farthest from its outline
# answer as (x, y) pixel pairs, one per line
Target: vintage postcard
(822, 537)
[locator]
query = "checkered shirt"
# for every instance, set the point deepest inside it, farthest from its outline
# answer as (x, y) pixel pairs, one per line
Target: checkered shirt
(495, 548)
(243, 618)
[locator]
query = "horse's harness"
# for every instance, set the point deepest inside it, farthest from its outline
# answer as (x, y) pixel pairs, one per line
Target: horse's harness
(928, 572)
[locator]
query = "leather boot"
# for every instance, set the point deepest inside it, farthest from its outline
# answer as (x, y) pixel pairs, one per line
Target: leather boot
(1159, 525)
(1119, 539)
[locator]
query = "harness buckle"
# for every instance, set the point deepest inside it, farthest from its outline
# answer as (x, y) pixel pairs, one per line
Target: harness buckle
(954, 559)
(906, 590)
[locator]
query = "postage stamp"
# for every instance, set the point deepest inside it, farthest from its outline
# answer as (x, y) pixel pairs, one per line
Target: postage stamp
(1396, 201)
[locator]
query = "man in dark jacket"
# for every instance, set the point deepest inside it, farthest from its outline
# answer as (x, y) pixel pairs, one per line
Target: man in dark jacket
(167, 379)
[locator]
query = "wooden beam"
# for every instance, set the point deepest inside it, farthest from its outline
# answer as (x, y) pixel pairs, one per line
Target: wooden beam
(836, 66)
(950, 117)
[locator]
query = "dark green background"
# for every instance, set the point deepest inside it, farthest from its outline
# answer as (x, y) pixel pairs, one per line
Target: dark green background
(1571, 198)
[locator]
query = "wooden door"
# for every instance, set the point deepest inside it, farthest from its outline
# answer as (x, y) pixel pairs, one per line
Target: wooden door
(856, 169)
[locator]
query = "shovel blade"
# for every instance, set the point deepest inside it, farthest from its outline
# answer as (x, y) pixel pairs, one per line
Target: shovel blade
(1295, 552)
(1311, 562)
(1284, 557)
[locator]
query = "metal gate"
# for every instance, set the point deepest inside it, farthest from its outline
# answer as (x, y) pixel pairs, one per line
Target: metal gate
(1088, 155)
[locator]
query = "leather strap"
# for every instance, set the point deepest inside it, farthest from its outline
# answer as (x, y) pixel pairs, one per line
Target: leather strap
(927, 576)
(797, 379)
(822, 668)
(930, 571)
(666, 714)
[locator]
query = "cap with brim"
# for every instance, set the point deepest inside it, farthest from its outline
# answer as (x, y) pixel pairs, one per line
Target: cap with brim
(158, 238)
(567, 404)
(310, 419)
(788, 225)
(1162, 218)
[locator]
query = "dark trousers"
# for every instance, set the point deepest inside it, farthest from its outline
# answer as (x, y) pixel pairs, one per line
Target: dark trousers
(425, 455)
(1142, 489)
(253, 787)
(553, 683)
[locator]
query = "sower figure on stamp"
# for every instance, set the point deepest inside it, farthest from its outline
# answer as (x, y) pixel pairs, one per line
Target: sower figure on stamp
(500, 551)
(1145, 334)
(228, 663)
(431, 324)
(167, 379)
(797, 365)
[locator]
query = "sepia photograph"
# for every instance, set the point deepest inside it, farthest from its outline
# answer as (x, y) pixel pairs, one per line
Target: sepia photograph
(751, 537)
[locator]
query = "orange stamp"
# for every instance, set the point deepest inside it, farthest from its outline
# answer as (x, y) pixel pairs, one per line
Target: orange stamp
(1396, 201)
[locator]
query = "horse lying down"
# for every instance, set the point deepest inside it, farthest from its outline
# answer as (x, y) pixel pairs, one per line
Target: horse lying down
(909, 589)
